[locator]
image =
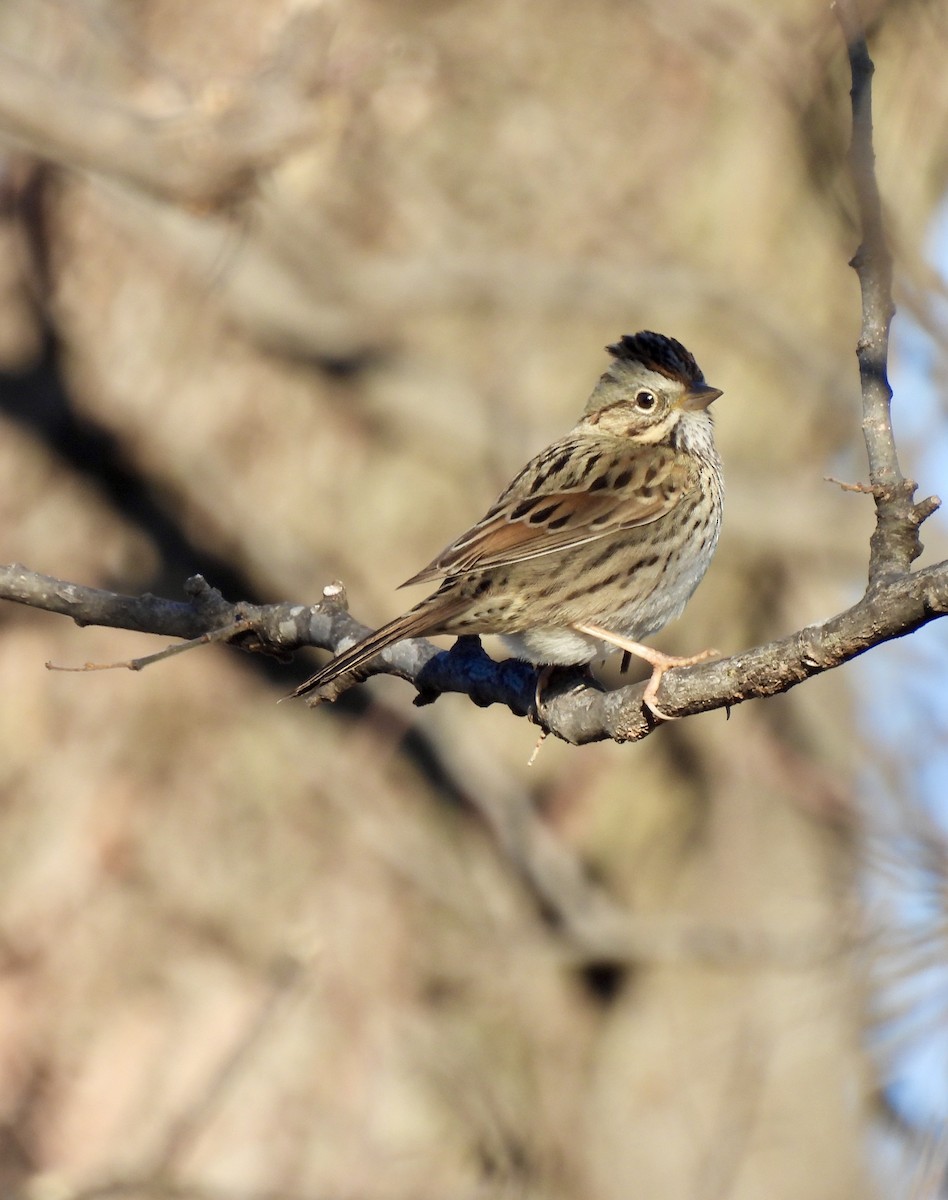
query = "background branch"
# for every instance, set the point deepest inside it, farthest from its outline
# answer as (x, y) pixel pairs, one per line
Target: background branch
(201, 152)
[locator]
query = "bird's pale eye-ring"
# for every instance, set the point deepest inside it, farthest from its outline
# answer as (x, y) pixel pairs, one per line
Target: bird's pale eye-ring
(645, 400)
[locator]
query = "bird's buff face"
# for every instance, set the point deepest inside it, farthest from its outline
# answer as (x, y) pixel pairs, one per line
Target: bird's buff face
(632, 401)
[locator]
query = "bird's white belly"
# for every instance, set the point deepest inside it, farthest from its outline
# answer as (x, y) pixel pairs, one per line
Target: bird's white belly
(560, 646)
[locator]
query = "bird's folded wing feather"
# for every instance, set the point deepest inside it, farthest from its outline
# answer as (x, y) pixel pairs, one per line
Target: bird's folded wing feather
(566, 497)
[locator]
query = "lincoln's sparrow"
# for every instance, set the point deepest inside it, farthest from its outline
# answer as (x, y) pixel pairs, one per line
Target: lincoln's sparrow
(599, 541)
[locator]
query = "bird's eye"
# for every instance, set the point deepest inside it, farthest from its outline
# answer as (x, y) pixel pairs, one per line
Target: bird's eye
(645, 401)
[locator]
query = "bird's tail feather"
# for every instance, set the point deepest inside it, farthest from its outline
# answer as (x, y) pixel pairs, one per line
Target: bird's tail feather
(415, 623)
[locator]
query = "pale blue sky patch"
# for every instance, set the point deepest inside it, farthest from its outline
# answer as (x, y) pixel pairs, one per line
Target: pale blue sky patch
(903, 690)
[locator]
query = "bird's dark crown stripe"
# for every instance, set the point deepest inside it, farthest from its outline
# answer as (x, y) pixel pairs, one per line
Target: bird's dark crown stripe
(658, 353)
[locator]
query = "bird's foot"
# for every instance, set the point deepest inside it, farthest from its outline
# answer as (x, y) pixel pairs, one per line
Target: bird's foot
(657, 660)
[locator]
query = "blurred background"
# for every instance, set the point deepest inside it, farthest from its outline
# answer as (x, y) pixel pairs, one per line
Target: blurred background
(288, 291)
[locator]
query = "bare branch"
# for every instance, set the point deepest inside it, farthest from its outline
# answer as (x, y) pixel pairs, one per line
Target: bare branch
(892, 609)
(572, 709)
(895, 543)
(93, 606)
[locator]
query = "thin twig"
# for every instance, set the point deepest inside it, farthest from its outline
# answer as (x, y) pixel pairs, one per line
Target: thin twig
(226, 634)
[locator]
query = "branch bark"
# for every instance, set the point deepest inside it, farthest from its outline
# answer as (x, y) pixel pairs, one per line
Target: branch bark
(895, 542)
(572, 710)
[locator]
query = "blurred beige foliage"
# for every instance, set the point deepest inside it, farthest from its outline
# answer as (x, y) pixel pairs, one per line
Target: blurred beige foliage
(328, 273)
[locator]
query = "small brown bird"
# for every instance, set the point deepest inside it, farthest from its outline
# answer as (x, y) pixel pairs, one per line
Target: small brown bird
(599, 541)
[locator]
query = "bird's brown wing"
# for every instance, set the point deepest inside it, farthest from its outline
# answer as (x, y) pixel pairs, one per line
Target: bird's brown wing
(576, 491)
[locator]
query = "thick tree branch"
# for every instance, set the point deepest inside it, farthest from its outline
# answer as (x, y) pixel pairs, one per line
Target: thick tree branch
(573, 710)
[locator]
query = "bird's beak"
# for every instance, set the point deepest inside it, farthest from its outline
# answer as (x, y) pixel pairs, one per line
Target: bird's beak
(699, 396)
